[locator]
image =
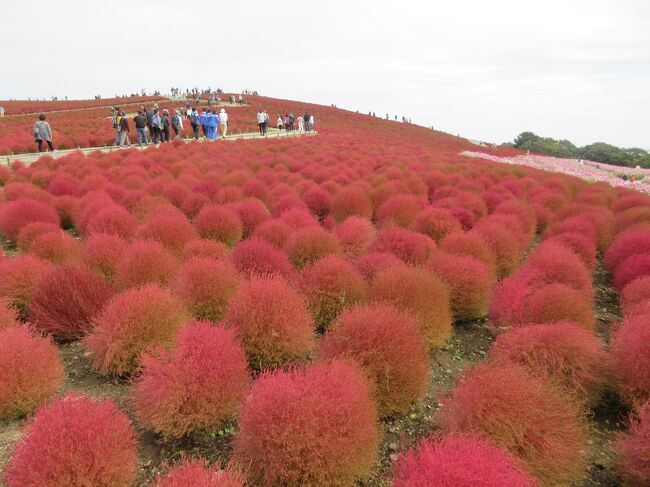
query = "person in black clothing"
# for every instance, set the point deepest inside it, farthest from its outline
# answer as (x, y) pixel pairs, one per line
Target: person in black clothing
(141, 128)
(195, 122)
(124, 130)
(148, 114)
(165, 126)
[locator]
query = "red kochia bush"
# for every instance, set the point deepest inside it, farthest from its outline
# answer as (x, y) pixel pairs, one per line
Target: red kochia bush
(130, 323)
(630, 347)
(630, 269)
(309, 244)
(168, 226)
(372, 262)
(413, 248)
(564, 352)
(66, 299)
(553, 263)
(143, 262)
(33, 230)
(256, 256)
(329, 285)
(351, 202)
(633, 447)
(274, 231)
(196, 385)
(401, 210)
(635, 295)
(20, 276)
(31, 371)
(75, 441)
(14, 215)
(196, 473)
(629, 243)
(558, 302)
(102, 253)
(355, 234)
(206, 285)
(311, 427)
(419, 292)
(579, 245)
(219, 223)
(271, 320)
(505, 245)
(8, 314)
(203, 247)
(460, 460)
(57, 247)
(437, 223)
(472, 245)
(523, 414)
(113, 220)
(469, 282)
(389, 347)
(252, 213)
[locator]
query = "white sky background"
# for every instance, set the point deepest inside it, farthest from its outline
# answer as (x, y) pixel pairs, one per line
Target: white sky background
(575, 69)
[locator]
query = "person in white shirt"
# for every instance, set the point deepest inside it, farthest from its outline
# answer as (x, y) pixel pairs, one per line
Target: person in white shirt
(2, 112)
(260, 121)
(301, 123)
(223, 121)
(311, 122)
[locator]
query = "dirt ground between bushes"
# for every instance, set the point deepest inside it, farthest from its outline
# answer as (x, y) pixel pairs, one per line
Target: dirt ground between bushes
(469, 343)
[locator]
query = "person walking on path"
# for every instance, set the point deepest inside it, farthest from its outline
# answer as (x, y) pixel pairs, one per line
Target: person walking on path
(123, 136)
(117, 116)
(177, 124)
(156, 124)
(267, 120)
(311, 122)
(223, 121)
(213, 126)
(306, 121)
(280, 121)
(2, 111)
(148, 114)
(205, 115)
(165, 125)
(195, 121)
(140, 122)
(43, 133)
(301, 123)
(260, 121)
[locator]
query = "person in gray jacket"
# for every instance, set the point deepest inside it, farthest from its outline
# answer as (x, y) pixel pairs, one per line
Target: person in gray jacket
(43, 133)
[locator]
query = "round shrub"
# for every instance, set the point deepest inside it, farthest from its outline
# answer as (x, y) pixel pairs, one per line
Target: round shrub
(504, 245)
(330, 285)
(633, 447)
(196, 473)
(469, 282)
(131, 322)
(20, 276)
(523, 414)
(389, 346)
(471, 245)
(309, 427)
(194, 386)
(257, 256)
(57, 247)
(436, 223)
(33, 230)
(419, 292)
(102, 253)
(168, 226)
(371, 263)
(298, 218)
(271, 321)
(579, 245)
(14, 215)
(630, 269)
(355, 235)
(31, 371)
(629, 243)
(351, 202)
(318, 200)
(203, 247)
(564, 352)
(274, 231)
(460, 460)
(401, 210)
(628, 219)
(206, 285)
(219, 223)
(630, 347)
(308, 244)
(635, 294)
(113, 220)
(252, 213)
(558, 302)
(8, 314)
(75, 441)
(411, 247)
(144, 262)
(66, 299)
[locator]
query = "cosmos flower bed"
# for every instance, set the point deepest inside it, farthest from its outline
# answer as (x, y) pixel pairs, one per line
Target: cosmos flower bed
(299, 291)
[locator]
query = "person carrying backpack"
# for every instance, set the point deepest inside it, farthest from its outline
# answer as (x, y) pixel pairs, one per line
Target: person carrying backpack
(165, 125)
(177, 124)
(141, 128)
(195, 121)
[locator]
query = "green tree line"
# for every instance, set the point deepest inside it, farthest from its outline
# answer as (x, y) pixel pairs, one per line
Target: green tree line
(598, 151)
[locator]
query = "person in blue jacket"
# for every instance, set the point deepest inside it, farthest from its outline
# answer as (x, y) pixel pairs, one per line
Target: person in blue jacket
(213, 126)
(204, 122)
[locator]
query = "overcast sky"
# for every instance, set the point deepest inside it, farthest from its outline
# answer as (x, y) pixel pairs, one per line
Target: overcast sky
(576, 69)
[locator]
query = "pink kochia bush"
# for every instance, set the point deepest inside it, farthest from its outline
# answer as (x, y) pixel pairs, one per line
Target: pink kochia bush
(630, 347)
(8, 314)
(633, 447)
(635, 296)
(632, 268)
(271, 321)
(330, 285)
(437, 223)
(75, 441)
(420, 293)
(66, 299)
(389, 347)
(460, 460)
(14, 215)
(168, 226)
(566, 353)
(195, 473)
(219, 223)
(523, 414)
(113, 220)
(102, 253)
(256, 256)
(206, 285)
(144, 262)
(20, 276)
(131, 322)
(194, 386)
(309, 244)
(31, 371)
(413, 248)
(311, 427)
(355, 235)
(56, 247)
